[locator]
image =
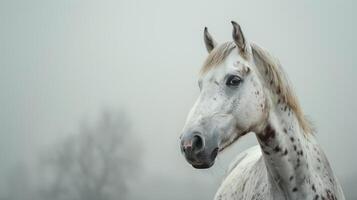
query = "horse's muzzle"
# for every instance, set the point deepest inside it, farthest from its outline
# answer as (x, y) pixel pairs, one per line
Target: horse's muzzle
(198, 151)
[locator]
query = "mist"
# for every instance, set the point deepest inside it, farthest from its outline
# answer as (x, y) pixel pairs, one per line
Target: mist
(65, 63)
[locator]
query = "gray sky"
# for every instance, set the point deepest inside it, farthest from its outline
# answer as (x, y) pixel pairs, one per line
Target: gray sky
(65, 61)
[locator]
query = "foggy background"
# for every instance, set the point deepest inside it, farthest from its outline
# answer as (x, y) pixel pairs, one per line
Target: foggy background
(94, 94)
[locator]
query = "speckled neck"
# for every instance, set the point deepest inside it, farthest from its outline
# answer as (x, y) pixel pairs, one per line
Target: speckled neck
(284, 151)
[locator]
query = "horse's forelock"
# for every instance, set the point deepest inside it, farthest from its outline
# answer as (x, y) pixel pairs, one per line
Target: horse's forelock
(217, 56)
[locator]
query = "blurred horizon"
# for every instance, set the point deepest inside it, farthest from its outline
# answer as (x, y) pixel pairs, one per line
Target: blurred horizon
(65, 63)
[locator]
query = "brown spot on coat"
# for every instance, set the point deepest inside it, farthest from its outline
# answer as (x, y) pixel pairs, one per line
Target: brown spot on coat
(301, 152)
(268, 133)
(291, 178)
(285, 152)
(330, 195)
(277, 148)
(313, 187)
(266, 152)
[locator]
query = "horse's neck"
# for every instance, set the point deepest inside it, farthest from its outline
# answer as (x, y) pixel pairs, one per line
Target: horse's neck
(284, 148)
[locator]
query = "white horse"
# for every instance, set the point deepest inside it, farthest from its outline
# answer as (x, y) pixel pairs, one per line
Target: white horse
(244, 89)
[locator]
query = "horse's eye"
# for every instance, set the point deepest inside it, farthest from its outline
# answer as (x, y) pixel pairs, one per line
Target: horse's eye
(233, 80)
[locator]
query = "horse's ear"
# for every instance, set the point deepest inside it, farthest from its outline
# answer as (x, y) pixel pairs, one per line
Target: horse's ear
(238, 36)
(209, 41)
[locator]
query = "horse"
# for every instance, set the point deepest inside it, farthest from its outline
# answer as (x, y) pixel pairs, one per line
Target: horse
(243, 89)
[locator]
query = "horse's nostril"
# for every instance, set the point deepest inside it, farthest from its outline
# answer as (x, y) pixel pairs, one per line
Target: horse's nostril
(192, 145)
(214, 153)
(197, 143)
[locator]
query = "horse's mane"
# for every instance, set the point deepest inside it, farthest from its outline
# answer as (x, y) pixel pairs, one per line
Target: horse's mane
(271, 70)
(276, 78)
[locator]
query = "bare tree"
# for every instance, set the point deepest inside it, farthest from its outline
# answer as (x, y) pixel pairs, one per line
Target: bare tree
(96, 164)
